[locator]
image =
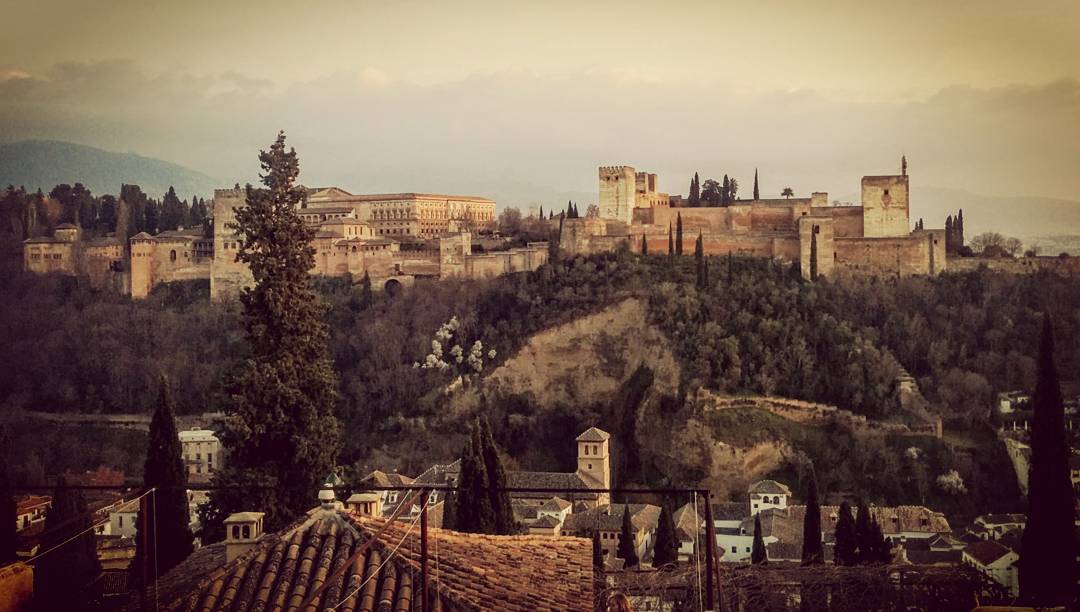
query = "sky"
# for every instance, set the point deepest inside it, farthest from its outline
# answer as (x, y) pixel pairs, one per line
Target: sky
(522, 100)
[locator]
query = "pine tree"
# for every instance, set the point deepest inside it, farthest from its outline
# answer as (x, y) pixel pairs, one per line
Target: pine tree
(280, 432)
(644, 245)
(501, 508)
(846, 549)
(164, 471)
(1047, 560)
(757, 194)
(758, 553)
(812, 551)
(678, 233)
(627, 545)
(666, 548)
(62, 576)
(813, 254)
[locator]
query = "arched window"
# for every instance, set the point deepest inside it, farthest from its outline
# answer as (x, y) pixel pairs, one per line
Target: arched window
(172, 255)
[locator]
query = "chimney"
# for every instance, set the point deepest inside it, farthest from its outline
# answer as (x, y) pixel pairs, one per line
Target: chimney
(243, 530)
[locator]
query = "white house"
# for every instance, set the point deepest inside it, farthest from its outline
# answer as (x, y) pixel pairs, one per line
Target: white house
(996, 561)
(201, 452)
(123, 519)
(768, 494)
(997, 525)
(31, 509)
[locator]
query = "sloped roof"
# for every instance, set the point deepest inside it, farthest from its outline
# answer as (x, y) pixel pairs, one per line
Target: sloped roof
(687, 522)
(474, 572)
(986, 551)
(610, 518)
(379, 478)
(142, 236)
(555, 504)
(546, 480)
(547, 521)
(593, 434)
(730, 511)
(770, 487)
(1000, 519)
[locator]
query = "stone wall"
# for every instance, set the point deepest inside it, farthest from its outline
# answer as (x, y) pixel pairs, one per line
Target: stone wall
(1066, 266)
(618, 190)
(921, 252)
(819, 230)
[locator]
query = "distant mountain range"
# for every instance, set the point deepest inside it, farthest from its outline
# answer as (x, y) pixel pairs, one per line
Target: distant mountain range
(45, 163)
(1035, 220)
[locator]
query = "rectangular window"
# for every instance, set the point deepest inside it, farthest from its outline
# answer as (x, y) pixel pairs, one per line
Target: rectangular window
(121, 517)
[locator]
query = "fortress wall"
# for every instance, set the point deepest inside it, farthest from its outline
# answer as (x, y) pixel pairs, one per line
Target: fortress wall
(227, 276)
(902, 256)
(772, 218)
(847, 220)
(817, 230)
(1066, 266)
(694, 219)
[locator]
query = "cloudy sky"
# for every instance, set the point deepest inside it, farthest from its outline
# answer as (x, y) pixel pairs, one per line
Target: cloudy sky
(524, 99)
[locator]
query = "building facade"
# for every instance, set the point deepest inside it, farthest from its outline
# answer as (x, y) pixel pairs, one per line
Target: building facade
(202, 454)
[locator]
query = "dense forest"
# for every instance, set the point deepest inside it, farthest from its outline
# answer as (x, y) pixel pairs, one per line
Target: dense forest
(755, 327)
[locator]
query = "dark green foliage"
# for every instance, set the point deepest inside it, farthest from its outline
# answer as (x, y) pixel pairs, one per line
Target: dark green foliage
(812, 548)
(699, 263)
(496, 476)
(644, 245)
(366, 297)
(872, 547)
(666, 546)
(694, 197)
(152, 216)
(627, 550)
(450, 510)
(9, 512)
(474, 511)
(1047, 561)
(64, 572)
(846, 548)
(670, 241)
(758, 553)
(281, 431)
(711, 193)
(678, 234)
(174, 213)
(813, 255)
(164, 471)
(757, 194)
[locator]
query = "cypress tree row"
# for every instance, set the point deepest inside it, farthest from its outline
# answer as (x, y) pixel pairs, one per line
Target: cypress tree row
(169, 541)
(627, 550)
(758, 553)
(1047, 560)
(812, 548)
(280, 431)
(474, 512)
(666, 548)
(846, 546)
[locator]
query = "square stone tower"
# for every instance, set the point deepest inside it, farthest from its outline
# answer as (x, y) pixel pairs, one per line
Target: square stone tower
(618, 192)
(594, 459)
(227, 276)
(885, 206)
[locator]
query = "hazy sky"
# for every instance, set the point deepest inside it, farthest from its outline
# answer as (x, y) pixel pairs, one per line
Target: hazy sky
(518, 99)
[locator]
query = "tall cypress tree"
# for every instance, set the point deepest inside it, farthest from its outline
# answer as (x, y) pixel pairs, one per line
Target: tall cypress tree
(757, 194)
(725, 191)
(164, 470)
(949, 248)
(280, 430)
(678, 233)
(597, 552)
(366, 296)
(864, 537)
(62, 576)
(474, 511)
(812, 550)
(695, 191)
(627, 546)
(502, 510)
(959, 228)
(813, 254)
(541, 215)
(9, 511)
(644, 245)
(758, 553)
(666, 548)
(699, 259)
(846, 549)
(1047, 562)
(670, 240)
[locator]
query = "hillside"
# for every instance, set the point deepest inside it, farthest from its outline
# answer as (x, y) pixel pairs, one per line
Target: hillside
(45, 163)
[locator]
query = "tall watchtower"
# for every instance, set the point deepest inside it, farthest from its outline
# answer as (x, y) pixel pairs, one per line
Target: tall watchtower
(885, 206)
(618, 191)
(142, 264)
(594, 458)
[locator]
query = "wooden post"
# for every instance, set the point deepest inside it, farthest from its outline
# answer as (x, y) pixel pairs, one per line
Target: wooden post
(424, 604)
(710, 544)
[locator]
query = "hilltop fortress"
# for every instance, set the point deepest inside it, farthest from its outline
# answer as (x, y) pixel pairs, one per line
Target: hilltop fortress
(393, 238)
(874, 238)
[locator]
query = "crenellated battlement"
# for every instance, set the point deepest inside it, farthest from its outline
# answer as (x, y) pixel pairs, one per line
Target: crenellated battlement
(616, 170)
(231, 192)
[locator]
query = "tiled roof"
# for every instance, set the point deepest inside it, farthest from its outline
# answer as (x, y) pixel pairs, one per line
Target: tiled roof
(547, 521)
(986, 551)
(555, 504)
(468, 571)
(383, 479)
(593, 434)
(999, 519)
(32, 501)
(687, 522)
(769, 486)
(546, 480)
(142, 236)
(610, 518)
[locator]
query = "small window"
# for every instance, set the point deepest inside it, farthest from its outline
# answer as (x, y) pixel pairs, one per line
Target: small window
(886, 192)
(172, 255)
(247, 532)
(236, 532)
(121, 521)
